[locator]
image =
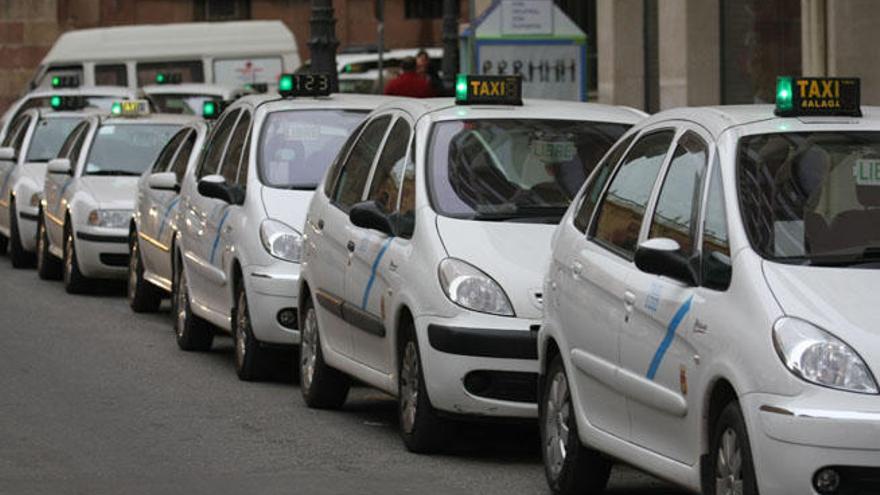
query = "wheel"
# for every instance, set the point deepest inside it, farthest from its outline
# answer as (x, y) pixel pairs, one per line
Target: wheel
(250, 357)
(74, 281)
(421, 429)
(19, 257)
(731, 456)
(569, 466)
(48, 266)
(322, 387)
(4, 242)
(192, 332)
(143, 297)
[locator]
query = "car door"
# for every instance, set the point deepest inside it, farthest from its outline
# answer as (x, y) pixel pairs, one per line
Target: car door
(154, 206)
(169, 223)
(372, 273)
(14, 140)
(203, 217)
(595, 294)
(338, 243)
(56, 185)
(657, 351)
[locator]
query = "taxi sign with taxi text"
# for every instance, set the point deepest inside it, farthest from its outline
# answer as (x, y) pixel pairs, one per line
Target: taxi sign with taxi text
(818, 96)
(498, 90)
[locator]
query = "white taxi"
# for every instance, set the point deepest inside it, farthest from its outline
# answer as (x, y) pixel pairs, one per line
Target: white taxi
(89, 192)
(426, 245)
(710, 312)
(33, 140)
(189, 98)
(154, 224)
(239, 243)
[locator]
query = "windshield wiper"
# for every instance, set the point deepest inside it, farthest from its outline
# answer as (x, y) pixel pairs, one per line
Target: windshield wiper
(869, 257)
(114, 172)
(543, 214)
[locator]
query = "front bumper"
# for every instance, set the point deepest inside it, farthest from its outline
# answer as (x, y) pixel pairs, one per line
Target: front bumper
(792, 438)
(480, 365)
(102, 252)
(27, 227)
(270, 290)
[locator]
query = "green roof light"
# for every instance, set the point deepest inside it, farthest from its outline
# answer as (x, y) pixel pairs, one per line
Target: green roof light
(116, 109)
(285, 83)
(55, 102)
(160, 78)
(56, 81)
(784, 95)
(461, 87)
(209, 109)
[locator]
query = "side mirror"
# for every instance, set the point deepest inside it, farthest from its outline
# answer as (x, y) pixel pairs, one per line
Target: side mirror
(7, 153)
(163, 181)
(215, 186)
(59, 166)
(662, 256)
(368, 215)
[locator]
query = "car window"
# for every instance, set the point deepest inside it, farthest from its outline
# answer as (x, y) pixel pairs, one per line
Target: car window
(16, 132)
(77, 147)
(333, 172)
(385, 186)
(216, 145)
(623, 206)
(406, 216)
(71, 139)
(183, 156)
(597, 184)
(677, 210)
(48, 137)
(232, 157)
(167, 153)
(717, 267)
(244, 165)
(354, 174)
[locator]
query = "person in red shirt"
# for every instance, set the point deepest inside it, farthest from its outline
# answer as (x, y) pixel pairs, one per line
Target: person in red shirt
(409, 82)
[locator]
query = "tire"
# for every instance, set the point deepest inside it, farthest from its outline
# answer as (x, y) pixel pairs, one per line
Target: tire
(4, 243)
(730, 455)
(250, 357)
(421, 429)
(74, 281)
(143, 297)
(322, 387)
(569, 466)
(19, 257)
(192, 332)
(48, 266)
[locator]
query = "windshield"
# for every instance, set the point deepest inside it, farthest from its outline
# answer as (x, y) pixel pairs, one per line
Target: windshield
(812, 197)
(297, 146)
(513, 169)
(127, 149)
(187, 104)
(48, 138)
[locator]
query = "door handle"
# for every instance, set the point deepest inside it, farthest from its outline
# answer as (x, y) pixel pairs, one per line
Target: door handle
(629, 299)
(350, 246)
(577, 269)
(320, 224)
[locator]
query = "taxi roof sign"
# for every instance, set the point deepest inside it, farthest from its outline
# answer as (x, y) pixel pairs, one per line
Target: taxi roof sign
(304, 85)
(68, 81)
(130, 108)
(211, 109)
(818, 96)
(67, 102)
(169, 78)
(497, 90)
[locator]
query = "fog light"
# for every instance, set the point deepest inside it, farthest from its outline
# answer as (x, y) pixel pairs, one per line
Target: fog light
(287, 317)
(826, 480)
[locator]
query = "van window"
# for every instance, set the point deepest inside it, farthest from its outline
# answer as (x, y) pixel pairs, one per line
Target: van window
(191, 71)
(111, 75)
(623, 207)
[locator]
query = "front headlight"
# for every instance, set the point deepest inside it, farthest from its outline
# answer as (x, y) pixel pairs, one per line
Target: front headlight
(821, 358)
(467, 286)
(111, 219)
(281, 240)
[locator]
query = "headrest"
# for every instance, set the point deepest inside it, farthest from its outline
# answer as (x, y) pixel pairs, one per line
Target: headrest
(809, 170)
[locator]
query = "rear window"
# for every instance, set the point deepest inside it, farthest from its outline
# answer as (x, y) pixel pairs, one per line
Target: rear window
(48, 138)
(297, 146)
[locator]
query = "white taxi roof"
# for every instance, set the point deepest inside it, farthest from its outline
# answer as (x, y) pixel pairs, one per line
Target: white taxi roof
(336, 100)
(112, 91)
(754, 119)
(223, 91)
(446, 109)
(144, 42)
(153, 118)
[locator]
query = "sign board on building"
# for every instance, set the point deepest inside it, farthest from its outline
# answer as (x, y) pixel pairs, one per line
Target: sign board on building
(526, 17)
(241, 71)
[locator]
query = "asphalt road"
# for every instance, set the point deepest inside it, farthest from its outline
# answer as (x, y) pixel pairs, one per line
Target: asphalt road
(96, 399)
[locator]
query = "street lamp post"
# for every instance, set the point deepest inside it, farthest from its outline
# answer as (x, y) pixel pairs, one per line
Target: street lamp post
(323, 42)
(450, 44)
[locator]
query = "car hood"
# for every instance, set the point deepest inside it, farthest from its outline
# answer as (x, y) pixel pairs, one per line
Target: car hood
(112, 192)
(514, 254)
(285, 205)
(839, 300)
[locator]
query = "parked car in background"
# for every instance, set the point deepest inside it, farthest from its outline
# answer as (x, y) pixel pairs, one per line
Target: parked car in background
(189, 99)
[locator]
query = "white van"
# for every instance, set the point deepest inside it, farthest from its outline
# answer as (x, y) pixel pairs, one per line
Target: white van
(234, 53)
